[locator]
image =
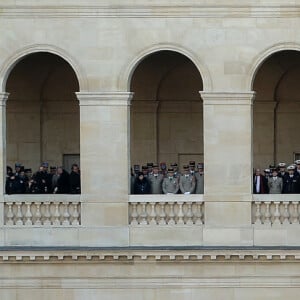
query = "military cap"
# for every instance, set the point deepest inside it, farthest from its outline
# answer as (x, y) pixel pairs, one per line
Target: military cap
(149, 165)
(291, 167)
(192, 163)
(267, 170)
(174, 165)
(27, 170)
(200, 165)
(170, 170)
(53, 168)
(282, 165)
(18, 165)
(45, 164)
(136, 167)
(297, 162)
(144, 168)
(185, 167)
(155, 166)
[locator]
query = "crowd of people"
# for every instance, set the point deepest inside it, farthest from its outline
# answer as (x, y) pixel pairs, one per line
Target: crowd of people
(282, 179)
(158, 179)
(55, 181)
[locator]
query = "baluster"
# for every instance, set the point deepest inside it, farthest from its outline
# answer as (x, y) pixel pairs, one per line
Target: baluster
(277, 214)
(75, 214)
(19, 221)
(258, 213)
(162, 214)
(47, 215)
(28, 214)
(134, 214)
(180, 214)
(10, 214)
(199, 213)
(286, 214)
(38, 215)
(189, 214)
(66, 215)
(295, 219)
(152, 214)
(56, 221)
(267, 213)
(171, 220)
(143, 214)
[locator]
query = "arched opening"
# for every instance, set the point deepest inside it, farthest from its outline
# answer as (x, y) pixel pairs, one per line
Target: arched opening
(42, 114)
(276, 110)
(166, 111)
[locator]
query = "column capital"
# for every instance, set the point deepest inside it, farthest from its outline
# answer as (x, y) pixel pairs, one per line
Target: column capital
(227, 98)
(3, 98)
(104, 98)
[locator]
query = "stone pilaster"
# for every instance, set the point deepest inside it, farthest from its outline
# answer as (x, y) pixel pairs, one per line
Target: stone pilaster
(104, 152)
(228, 158)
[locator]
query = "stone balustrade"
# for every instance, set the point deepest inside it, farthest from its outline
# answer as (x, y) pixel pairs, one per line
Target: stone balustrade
(42, 210)
(276, 209)
(164, 210)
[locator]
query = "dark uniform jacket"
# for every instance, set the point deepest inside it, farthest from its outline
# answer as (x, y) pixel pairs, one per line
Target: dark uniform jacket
(75, 183)
(142, 186)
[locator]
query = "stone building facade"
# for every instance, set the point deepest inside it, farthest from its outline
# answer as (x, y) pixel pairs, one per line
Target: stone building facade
(122, 83)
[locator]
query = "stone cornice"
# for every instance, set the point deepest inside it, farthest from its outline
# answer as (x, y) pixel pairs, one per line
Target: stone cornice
(227, 98)
(104, 98)
(152, 11)
(151, 255)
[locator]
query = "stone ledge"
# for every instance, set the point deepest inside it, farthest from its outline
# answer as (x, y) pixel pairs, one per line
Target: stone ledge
(144, 254)
(150, 11)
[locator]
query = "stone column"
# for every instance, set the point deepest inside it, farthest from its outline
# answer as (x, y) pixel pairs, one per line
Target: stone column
(104, 157)
(3, 99)
(263, 133)
(227, 121)
(144, 131)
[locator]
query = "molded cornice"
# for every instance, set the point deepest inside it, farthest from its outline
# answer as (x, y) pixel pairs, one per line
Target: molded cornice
(153, 11)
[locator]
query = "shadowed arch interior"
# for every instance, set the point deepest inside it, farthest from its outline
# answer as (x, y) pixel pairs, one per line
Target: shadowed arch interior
(276, 109)
(42, 111)
(166, 111)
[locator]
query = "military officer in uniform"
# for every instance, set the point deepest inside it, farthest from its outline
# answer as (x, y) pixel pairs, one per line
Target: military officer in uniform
(174, 166)
(156, 180)
(170, 183)
(192, 166)
(297, 172)
(187, 181)
(282, 172)
(275, 183)
(199, 176)
(290, 184)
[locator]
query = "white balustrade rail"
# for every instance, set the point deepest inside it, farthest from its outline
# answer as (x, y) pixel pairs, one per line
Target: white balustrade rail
(276, 209)
(42, 210)
(161, 210)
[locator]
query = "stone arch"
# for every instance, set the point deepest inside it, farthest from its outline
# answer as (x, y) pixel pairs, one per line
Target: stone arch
(166, 87)
(11, 62)
(263, 56)
(274, 78)
(126, 74)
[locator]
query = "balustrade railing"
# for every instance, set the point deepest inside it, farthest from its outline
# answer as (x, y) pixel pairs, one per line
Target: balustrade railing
(163, 210)
(42, 210)
(276, 209)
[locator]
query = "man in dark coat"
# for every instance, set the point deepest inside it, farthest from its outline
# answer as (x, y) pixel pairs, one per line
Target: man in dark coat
(75, 180)
(260, 183)
(63, 182)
